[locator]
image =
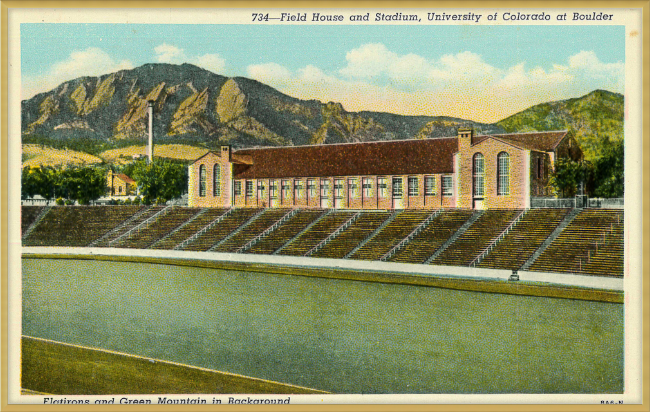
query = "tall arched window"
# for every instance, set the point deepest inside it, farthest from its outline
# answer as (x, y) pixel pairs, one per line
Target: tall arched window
(216, 180)
(503, 174)
(203, 181)
(479, 175)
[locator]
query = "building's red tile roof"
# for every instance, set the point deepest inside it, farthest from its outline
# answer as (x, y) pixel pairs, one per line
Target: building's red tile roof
(400, 157)
(125, 178)
(540, 141)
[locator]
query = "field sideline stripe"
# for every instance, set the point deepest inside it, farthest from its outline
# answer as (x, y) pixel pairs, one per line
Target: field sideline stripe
(112, 352)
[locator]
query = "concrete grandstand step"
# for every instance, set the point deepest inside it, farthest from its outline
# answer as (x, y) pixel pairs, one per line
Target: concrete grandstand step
(36, 222)
(565, 222)
(390, 218)
(119, 227)
(411, 235)
(141, 225)
(239, 229)
(204, 229)
(187, 222)
(268, 230)
(312, 224)
(494, 242)
(455, 236)
(334, 234)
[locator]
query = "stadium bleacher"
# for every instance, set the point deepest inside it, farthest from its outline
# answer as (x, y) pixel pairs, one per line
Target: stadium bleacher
(28, 216)
(189, 229)
(144, 237)
(391, 235)
(317, 233)
(285, 232)
(585, 237)
(432, 237)
(77, 225)
(591, 243)
(345, 242)
(266, 219)
(222, 229)
(476, 237)
(524, 239)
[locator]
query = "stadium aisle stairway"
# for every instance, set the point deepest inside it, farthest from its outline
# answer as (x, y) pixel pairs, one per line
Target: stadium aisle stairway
(345, 242)
(28, 215)
(476, 238)
(285, 232)
(148, 212)
(391, 235)
(259, 225)
(524, 239)
(432, 237)
(144, 237)
(316, 234)
(188, 230)
(222, 229)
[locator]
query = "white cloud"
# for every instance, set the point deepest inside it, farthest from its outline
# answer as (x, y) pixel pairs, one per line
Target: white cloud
(460, 85)
(269, 72)
(89, 62)
(211, 62)
(168, 53)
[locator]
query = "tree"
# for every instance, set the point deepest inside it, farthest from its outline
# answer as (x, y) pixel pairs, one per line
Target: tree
(83, 184)
(567, 176)
(38, 181)
(609, 171)
(160, 181)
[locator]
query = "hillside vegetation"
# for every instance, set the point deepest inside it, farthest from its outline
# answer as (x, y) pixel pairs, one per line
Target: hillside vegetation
(125, 155)
(596, 119)
(36, 156)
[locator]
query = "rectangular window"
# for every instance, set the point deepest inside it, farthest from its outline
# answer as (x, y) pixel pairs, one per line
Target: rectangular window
(413, 186)
(447, 187)
(382, 186)
(249, 188)
(260, 189)
(338, 188)
(430, 186)
(286, 189)
(273, 187)
(311, 187)
(325, 190)
(297, 188)
(398, 190)
(203, 181)
(237, 188)
(353, 188)
(367, 187)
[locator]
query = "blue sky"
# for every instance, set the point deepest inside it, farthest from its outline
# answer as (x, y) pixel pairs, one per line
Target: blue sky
(479, 72)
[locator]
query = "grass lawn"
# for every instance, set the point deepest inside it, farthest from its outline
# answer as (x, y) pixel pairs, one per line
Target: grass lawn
(68, 370)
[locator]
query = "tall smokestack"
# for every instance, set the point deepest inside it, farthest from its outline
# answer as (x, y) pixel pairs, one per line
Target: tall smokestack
(150, 147)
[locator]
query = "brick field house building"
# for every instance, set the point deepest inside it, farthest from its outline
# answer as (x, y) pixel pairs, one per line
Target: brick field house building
(464, 171)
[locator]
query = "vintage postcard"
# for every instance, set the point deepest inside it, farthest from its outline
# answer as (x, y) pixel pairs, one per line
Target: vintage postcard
(306, 205)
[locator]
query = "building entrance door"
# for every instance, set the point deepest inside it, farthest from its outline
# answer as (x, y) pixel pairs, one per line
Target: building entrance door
(338, 193)
(325, 194)
(398, 193)
(479, 204)
(261, 197)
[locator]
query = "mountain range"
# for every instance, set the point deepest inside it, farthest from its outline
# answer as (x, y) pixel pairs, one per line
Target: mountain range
(200, 108)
